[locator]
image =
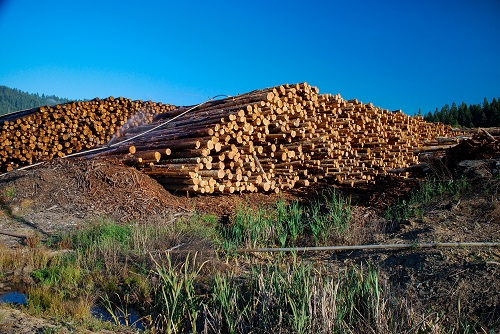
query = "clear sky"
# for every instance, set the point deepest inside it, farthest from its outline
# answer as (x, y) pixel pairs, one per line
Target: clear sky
(397, 54)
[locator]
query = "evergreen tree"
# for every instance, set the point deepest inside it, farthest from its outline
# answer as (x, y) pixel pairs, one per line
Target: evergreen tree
(12, 99)
(445, 114)
(436, 116)
(478, 116)
(487, 109)
(453, 115)
(464, 117)
(429, 117)
(475, 115)
(495, 112)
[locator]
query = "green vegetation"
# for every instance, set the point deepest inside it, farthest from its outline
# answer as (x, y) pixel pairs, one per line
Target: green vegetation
(296, 298)
(329, 216)
(429, 191)
(124, 269)
(474, 115)
(283, 224)
(176, 302)
(13, 100)
(9, 192)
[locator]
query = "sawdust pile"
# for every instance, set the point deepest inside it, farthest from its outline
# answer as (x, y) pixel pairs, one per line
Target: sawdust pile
(88, 188)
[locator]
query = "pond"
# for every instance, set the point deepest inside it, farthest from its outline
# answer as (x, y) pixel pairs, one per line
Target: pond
(13, 297)
(132, 319)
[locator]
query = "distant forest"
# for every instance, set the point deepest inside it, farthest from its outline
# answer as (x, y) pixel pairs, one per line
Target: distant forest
(469, 116)
(486, 114)
(12, 99)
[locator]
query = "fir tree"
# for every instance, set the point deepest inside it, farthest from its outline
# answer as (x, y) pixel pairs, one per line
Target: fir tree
(12, 99)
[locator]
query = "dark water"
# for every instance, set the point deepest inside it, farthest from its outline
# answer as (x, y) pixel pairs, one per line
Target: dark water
(133, 318)
(13, 297)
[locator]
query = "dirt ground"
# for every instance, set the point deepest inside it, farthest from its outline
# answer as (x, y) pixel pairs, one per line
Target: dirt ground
(449, 281)
(443, 280)
(65, 194)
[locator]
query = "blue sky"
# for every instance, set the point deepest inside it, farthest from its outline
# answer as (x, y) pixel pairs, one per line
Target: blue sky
(397, 54)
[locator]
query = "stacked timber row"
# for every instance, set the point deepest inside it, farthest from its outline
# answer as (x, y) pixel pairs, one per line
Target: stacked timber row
(273, 139)
(48, 132)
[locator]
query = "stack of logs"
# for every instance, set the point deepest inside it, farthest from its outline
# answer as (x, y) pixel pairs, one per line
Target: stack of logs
(48, 132)
(277, 138)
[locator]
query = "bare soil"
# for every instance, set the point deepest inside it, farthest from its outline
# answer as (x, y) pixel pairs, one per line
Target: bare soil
(441, 282)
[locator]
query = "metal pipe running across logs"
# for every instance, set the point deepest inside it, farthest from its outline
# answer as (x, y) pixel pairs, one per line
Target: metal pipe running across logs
(280, 135)
(263, 127)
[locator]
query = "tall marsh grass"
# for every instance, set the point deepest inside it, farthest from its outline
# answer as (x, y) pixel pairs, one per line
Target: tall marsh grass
(329, 216)
(301, 298)
(283, 224)
(176, 305)
(430, 190)
(125, 266)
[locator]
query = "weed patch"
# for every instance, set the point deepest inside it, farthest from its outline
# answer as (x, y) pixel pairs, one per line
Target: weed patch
(284, 224)
(176, 304)
(9, 192)
(429, 191)
(329, 216)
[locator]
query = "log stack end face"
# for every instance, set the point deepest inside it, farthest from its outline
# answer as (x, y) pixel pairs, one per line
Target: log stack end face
(281, 138)
(49, 132)
(267, 140)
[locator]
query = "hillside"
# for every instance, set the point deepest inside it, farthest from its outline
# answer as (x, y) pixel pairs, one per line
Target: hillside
(12, 99)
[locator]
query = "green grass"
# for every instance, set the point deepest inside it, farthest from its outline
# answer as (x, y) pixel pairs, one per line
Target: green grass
(249, 228)
(431, 190)
(226, 309)
(121, 267)
(298, 298)
(176, 303)
(329, 216)
(116, 261)
(9, 192)
(284, 224)
(61, 272)
(102, 234)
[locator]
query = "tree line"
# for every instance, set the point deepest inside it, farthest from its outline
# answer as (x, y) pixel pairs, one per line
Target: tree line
(12, 99)
(484, 115)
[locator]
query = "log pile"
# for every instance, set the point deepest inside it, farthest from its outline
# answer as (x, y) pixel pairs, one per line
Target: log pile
(45, 133)
(483, 144)
(277, 138)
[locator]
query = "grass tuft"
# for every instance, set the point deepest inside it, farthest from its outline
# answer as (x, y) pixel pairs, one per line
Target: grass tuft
(176, 304)
(430, 190)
